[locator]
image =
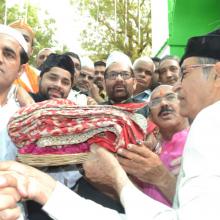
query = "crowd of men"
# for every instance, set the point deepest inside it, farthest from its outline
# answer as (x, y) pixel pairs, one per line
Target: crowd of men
(173, 174)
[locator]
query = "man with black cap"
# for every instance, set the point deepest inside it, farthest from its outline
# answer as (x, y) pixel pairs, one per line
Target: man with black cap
(56, 78)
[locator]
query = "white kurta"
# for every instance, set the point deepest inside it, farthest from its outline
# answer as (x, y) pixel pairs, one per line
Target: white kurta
(198, 187)
(7, 148)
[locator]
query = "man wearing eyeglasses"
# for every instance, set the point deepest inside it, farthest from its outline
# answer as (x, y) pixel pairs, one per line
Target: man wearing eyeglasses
(120, 81)
(156, 169)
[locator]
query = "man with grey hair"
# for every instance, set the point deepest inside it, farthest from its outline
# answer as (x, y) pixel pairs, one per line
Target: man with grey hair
(143, 71)
(85, 81)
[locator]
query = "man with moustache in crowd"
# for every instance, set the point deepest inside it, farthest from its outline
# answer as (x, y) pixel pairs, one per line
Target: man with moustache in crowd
(120, 82)
(157, 170)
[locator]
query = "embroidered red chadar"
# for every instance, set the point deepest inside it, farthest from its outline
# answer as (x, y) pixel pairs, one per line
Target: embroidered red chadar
(60, 127)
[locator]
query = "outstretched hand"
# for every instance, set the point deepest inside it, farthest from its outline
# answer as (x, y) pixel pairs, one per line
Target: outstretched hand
(140, 162)
(30, 183)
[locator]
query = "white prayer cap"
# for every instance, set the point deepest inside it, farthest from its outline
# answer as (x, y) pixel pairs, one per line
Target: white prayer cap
(87, 62)
(118, 57)
(4, 29)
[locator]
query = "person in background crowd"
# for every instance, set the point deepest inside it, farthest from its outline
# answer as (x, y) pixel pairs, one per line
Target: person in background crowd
(29, 78)
(143, 71)
(169, 70)
(76, 95)
(77, 64)
(99, 78)
(155, 79)
(42, 56)
(56, 78)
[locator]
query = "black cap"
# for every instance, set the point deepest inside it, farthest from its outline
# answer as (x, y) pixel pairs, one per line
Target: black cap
(57, 60)
(203, 46)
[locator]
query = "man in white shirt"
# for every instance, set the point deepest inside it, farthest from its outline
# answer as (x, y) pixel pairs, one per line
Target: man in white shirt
(13, 49)
(197, 192)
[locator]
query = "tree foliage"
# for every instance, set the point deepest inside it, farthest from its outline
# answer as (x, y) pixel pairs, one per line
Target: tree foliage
(130, 32)
(44, 31)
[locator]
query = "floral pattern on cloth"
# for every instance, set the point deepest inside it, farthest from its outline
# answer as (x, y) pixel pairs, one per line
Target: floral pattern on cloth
(45, 124)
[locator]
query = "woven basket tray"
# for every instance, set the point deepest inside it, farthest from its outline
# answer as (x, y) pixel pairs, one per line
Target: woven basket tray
(52, 159)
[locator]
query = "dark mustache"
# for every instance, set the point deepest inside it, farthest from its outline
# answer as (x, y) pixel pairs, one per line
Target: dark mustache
(165, 109)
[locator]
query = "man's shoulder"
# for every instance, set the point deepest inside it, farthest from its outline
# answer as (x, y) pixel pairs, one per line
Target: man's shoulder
(208, 113)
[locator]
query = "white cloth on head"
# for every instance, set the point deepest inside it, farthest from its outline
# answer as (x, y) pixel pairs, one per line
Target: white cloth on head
(118, 57)
(4, 29)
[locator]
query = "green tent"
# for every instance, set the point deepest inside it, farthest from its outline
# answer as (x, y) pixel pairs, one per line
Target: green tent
(188, 18)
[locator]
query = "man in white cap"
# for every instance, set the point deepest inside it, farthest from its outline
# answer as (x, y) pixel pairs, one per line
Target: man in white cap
(13, 50)
(119, 77)
(13, 56)
(120, 81)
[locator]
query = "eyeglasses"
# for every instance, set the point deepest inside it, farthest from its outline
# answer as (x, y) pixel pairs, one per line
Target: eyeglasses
(113, 75)
(171, 98)
(185, 69)
(85, 75)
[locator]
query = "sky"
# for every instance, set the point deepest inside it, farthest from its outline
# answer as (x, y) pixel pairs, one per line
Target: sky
(68, 21)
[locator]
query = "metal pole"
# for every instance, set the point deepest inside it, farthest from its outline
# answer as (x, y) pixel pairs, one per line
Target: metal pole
(6, 12)
(139, 23)
(115, 19)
